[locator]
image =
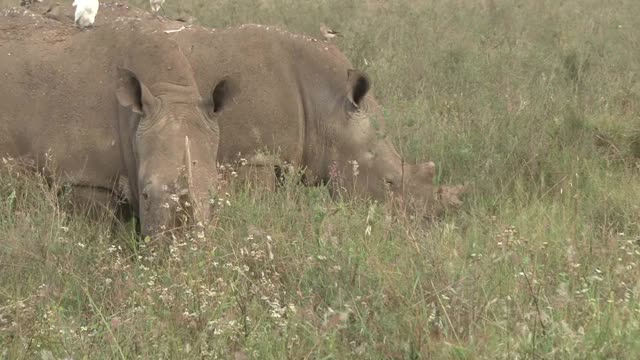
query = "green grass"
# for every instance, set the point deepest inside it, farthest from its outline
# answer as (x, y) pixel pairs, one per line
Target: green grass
(533, 103)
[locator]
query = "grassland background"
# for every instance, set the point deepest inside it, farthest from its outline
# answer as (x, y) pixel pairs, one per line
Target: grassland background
(533, 103)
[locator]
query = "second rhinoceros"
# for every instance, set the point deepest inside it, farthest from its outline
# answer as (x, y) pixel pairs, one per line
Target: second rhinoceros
(303, 101)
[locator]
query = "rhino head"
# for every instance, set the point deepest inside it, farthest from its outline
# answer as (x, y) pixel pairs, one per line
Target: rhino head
(366, 161)
(172, 145)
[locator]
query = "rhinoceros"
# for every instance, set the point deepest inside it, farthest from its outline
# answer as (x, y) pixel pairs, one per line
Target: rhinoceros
(112, 103)
(302, 101)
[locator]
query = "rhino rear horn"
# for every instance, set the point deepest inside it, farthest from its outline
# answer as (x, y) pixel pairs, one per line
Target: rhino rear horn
(131, 92)
(450, 196)
(426, 171)
(358, 85)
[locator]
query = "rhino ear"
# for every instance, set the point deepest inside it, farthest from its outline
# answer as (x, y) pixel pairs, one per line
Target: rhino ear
(221, 95)
(358, 85)
(132, 93)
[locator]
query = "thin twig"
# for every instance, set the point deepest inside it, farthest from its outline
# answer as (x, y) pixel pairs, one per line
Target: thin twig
(538, 312)
(446, 314)
(104, 321)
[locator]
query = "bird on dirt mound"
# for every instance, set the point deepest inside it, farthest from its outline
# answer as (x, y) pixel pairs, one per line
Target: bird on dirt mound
(328, 33)
(156, 5)
(86, 11)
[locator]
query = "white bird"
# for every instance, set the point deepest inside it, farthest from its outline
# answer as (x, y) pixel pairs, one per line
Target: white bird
(156, 5)
(328, 33)
(86, 11)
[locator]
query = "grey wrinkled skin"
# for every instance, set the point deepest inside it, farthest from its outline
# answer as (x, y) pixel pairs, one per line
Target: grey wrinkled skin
(101, 107)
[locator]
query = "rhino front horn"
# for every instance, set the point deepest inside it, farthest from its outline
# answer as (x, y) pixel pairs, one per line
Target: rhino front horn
(187, 164)
(189, 195)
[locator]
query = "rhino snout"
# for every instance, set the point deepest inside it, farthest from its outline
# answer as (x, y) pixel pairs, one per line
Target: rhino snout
(170, 210)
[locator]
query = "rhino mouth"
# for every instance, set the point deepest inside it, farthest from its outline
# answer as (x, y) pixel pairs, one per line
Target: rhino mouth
(175, 212)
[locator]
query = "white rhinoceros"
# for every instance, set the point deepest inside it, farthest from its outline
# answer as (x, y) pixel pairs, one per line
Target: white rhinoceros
(110, 103)
(303, 101)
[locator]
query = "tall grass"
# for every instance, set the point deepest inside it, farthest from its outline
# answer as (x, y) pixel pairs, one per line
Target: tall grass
(534, 103)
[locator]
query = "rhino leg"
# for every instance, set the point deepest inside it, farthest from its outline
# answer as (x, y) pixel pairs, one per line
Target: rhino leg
(95, 203)
(262, 178)
(257, 172)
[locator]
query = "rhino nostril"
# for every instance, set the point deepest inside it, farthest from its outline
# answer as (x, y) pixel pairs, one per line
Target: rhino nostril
(145, 195)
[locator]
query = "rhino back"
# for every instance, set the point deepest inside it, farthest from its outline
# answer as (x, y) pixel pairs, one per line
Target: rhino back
(270, 115)
(289, 84)
(58, 93)
(48, 85)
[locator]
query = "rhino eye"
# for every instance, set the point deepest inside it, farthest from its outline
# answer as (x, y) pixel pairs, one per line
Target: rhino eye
(351, 107)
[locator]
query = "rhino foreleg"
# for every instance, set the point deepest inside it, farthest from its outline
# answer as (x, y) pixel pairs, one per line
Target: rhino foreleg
(93, 202)
(262, 178)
